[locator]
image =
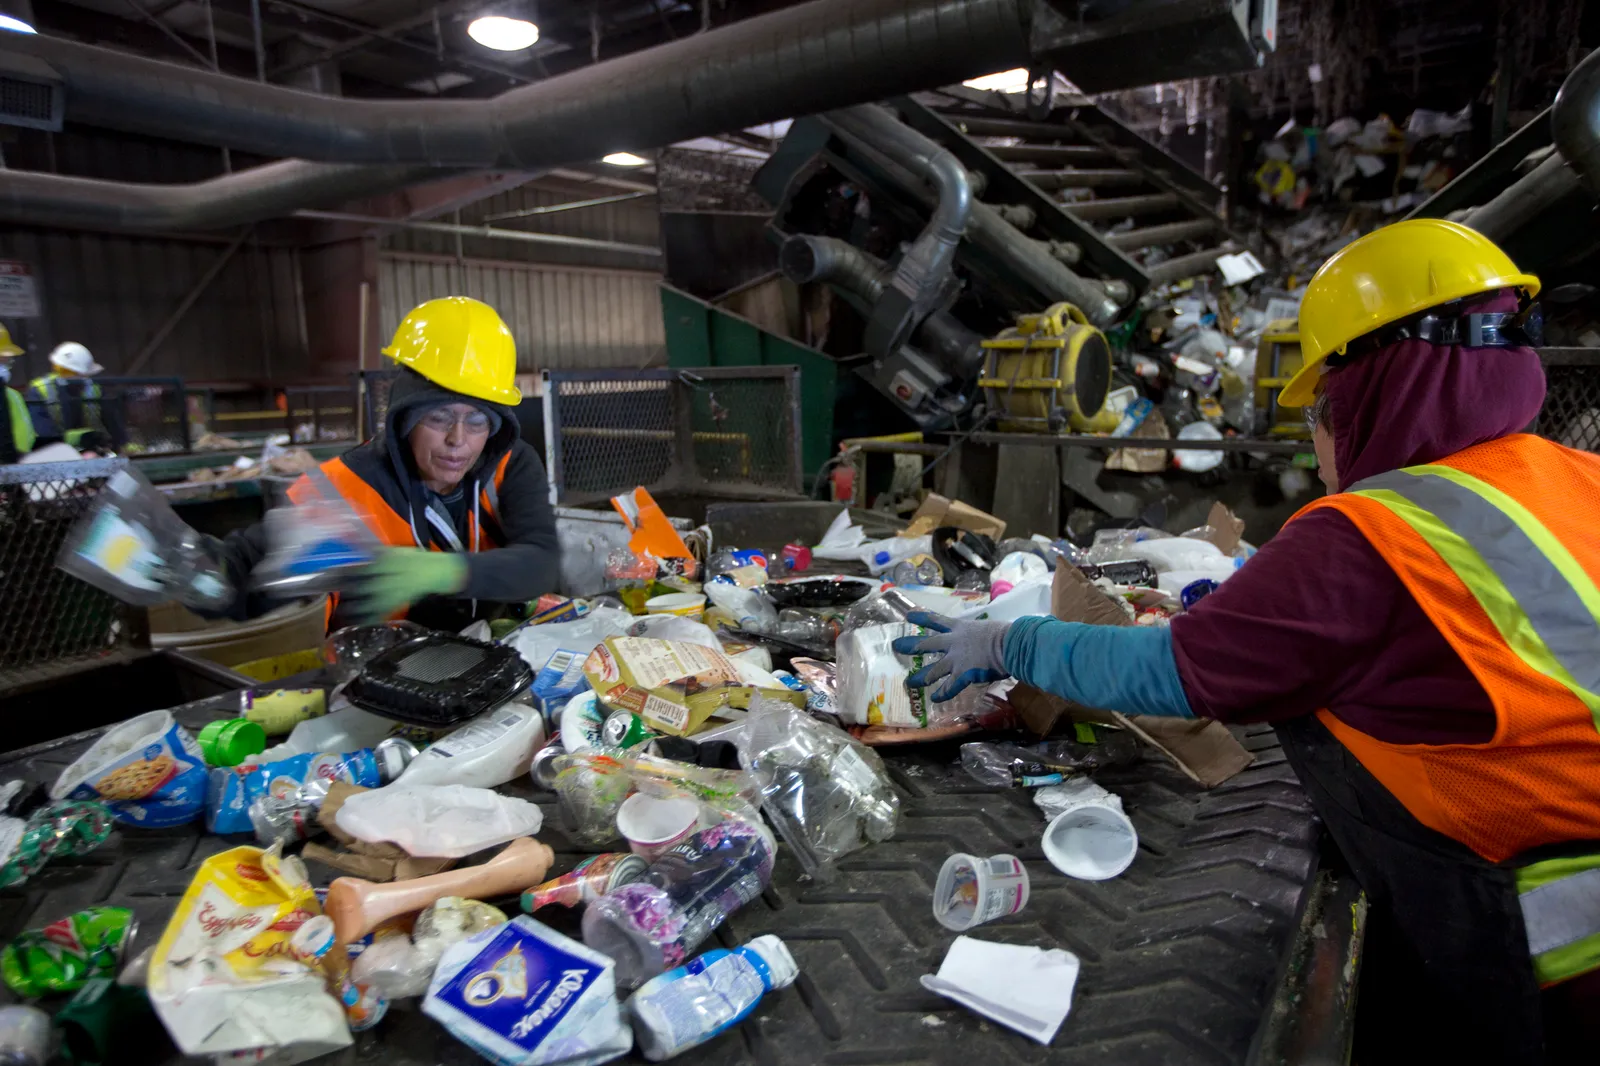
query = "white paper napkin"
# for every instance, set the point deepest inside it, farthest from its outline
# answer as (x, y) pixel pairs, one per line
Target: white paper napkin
(1023, 988)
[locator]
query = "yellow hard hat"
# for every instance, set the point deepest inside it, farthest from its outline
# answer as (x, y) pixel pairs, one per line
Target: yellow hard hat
(8, 348)
(1389, 275)
(460, 344)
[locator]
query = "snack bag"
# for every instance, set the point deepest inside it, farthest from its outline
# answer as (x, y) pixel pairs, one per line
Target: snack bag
(228, 974)
(231, 790)
(674, 685)
(148, 770)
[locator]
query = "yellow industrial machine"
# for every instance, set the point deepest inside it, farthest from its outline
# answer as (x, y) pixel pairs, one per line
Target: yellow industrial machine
(1277, 359)
(1047, 373)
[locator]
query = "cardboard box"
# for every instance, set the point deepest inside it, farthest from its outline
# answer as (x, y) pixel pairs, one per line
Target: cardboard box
(937, 511)
(674, 685)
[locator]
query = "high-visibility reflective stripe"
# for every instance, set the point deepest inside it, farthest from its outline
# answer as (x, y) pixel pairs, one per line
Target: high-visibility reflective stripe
(1541, 615)
(1560, 901)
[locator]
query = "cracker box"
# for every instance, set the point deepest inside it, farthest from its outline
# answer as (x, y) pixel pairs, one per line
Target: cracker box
(675, 685)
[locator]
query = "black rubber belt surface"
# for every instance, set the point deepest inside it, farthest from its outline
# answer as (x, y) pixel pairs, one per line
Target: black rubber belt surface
(1180, 954)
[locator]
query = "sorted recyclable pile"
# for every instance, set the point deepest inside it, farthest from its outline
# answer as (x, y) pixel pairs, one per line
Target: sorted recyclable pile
(720, 708)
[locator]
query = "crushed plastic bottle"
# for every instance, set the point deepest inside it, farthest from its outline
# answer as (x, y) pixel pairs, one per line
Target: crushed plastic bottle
(686, 1007)
(1096, 747)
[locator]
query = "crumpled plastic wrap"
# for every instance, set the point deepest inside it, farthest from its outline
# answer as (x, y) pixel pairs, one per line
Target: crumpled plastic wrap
(826, 793)
(591, 785)
(439, 821)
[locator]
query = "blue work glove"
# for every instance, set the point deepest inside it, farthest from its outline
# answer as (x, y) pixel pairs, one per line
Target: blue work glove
(973, 653)
(1131, 669)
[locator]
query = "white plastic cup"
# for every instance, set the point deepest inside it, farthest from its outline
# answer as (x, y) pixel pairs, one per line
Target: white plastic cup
(681, 604)
(653, 824)
(971, 891)
(1092, 842)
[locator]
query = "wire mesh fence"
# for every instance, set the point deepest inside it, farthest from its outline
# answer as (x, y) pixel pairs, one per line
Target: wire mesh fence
(1571, 413)
(50, 622)
(725, 431)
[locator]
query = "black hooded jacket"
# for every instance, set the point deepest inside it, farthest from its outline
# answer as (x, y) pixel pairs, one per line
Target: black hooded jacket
(525, 566)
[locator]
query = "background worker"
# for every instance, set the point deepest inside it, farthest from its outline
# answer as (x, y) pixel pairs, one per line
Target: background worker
(19, 436)
(1426, 640)
(72, 408)
(448, 485)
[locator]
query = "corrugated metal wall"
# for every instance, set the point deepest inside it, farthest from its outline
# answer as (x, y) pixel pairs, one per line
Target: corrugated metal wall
(630, 222)
(112, 293)
(562, 316)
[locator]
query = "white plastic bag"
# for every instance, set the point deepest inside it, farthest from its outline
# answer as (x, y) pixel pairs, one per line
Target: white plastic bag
(438, 821)
(537, 643)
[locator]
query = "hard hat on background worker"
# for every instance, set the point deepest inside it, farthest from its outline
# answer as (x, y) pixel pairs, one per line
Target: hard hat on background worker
(8, 347)
(459, 344)
(76, 358)
(1388, 276)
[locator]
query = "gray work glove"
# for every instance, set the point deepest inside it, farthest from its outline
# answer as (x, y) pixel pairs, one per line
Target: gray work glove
(973, 653)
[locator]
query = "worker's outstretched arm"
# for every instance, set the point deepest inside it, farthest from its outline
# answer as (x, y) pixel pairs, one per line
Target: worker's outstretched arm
(1116, 668)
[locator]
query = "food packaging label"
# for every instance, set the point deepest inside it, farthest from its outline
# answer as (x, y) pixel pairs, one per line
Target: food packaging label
(230, 791)
(148, 770)
(224, 976)
(558, 680)
(522, 994)
(673, 685)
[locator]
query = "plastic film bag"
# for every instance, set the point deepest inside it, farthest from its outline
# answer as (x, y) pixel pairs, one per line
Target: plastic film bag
(826, 793)
(438, 821)
(591, 785)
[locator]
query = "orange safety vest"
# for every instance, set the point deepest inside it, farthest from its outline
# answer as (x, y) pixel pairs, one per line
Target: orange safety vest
(1500, 545)
(392, 528)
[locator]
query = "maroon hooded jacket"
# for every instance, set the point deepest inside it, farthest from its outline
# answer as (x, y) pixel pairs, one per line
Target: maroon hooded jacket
(1317, 619)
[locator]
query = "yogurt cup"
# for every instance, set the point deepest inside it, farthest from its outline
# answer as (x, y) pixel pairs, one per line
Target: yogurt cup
(1092, 842)
(971, 891)
(682, 604)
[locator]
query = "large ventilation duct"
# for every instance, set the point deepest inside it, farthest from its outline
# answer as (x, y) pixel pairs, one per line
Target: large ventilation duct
(813, 57)
(1575, 120)
(252, 195)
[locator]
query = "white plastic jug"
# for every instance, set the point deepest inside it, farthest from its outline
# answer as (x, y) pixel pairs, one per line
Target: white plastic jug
(490, 750)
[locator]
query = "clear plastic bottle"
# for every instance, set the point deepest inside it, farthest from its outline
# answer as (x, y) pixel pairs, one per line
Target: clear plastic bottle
(917, 572)
(690, 1005)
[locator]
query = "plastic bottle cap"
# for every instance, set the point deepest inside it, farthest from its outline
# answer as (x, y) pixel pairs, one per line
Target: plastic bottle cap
(881, 558)
(231, 741)
(780, 963)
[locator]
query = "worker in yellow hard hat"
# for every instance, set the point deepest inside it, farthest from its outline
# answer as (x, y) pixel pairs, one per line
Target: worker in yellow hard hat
(1426, 641)
(22, 435)
(449, 486)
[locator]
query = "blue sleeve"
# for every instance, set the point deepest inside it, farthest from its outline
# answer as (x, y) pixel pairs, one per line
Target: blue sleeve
(1116, 668)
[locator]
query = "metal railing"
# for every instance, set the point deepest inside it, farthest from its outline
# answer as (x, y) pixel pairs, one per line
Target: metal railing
(714, 431)
(50, 622)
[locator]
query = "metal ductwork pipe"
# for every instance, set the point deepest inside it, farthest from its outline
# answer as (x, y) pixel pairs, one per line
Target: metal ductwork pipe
(263, 192)
(877, 131)
(919, 282)
(1526, 199)
(1575, 121)
(813, 57)
(806, 258)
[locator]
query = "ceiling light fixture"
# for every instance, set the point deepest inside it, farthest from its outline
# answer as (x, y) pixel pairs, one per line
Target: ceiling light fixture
(625, 159)
(15, 25)
(1007, 81)
(503, 34)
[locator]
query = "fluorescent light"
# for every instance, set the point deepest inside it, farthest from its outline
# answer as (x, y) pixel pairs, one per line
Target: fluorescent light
(16, 25)
(625, 159)
(1007, 81)
(503, 34)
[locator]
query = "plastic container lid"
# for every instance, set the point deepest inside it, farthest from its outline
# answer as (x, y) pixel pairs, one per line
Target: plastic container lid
(231, 741)
(781, 967)
(1091, 843)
